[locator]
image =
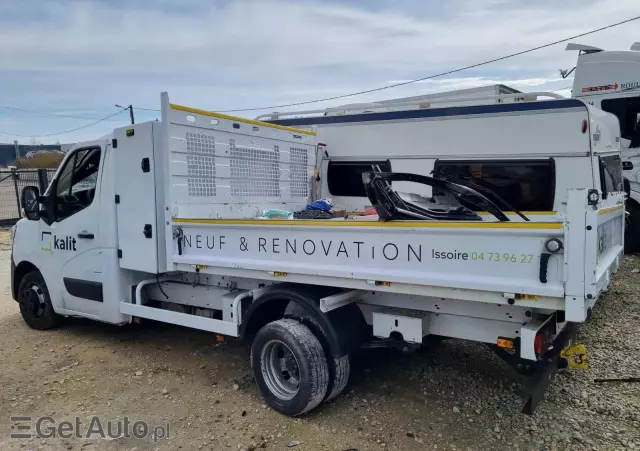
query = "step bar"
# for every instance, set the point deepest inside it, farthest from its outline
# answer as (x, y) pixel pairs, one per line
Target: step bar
(181, 319)
(230, 303)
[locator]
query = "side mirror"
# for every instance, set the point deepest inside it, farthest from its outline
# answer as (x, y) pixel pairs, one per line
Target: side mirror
(30, 202)
(627, 165)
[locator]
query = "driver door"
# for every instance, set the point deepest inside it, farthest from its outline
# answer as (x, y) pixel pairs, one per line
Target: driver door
(72, 232)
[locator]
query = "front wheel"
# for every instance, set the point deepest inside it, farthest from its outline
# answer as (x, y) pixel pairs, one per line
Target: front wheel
(290, 367)
(35, 303)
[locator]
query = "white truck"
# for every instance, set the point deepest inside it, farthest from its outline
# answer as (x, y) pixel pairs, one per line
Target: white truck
(162, 220)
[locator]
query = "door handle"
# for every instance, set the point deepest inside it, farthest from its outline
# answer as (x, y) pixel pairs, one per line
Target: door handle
(85, 235)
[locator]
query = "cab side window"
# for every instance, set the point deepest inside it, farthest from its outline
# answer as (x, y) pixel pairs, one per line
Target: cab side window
(76, 185)
(627, 110)
(611, 179)
(607, 182)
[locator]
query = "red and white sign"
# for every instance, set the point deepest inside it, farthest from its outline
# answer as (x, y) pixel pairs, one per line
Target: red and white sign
(612, 86)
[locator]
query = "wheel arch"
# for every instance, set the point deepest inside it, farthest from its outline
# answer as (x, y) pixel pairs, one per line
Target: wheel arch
(21, 269)
(345, 328)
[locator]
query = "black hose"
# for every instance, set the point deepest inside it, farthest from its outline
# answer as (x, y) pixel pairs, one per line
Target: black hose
(160, 286)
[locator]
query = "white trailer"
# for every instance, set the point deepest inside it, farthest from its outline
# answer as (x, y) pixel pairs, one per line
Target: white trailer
(161, 220)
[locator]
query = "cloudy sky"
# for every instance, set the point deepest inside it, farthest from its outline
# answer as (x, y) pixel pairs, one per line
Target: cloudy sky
(80, 57)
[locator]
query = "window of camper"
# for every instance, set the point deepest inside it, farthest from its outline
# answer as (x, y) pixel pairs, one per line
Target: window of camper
(344, 178)
(627, 109)
(527, 185)
(611, 179)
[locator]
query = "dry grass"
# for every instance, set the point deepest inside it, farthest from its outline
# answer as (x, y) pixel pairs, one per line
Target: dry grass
(40, 160)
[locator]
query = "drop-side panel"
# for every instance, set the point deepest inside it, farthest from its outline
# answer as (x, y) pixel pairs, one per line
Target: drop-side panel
(497, 257)
(606, 241)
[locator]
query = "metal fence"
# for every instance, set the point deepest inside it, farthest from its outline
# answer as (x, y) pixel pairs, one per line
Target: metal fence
(11, 183)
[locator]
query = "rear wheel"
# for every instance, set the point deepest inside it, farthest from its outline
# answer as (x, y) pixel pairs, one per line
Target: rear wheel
(339, 367)
(339, 371)
(35, 302)
(632, 229)
(290, 366)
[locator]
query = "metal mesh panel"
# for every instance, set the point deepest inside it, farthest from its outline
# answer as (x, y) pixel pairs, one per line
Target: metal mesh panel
(299, 184)
(201, 165)
(254, 172)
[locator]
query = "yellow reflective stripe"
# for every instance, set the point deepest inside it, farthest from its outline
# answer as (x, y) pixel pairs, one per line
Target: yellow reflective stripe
(239, 119)
(346, 223)
(604, 211)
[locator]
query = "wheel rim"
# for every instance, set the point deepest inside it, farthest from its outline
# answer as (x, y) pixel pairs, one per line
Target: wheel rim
(280, 369)
(32, 297)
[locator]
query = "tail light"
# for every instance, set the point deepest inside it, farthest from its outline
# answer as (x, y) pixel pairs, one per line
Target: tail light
(544, 337)
(538, 342)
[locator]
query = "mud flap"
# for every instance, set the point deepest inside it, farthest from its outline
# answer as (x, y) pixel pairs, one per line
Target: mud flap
(545, 369)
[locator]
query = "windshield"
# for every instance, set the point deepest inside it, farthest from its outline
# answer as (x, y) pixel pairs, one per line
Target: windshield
(627, 110)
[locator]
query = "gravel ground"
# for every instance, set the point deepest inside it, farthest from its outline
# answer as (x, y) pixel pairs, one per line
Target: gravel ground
(454, 396)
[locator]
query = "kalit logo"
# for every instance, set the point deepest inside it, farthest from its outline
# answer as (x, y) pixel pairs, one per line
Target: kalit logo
(50, 243)
(45, 238)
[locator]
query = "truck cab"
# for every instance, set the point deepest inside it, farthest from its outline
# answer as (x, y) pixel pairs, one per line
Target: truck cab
(610, 81)
(74, 243)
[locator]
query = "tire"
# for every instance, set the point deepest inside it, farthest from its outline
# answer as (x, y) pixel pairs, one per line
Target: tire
(290, 367)
(35, 303)
(339, 367)
(632, 230)
(339, 371)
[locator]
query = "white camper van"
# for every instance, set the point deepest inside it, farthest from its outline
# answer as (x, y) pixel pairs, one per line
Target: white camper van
(610, 80)
(164, 221)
